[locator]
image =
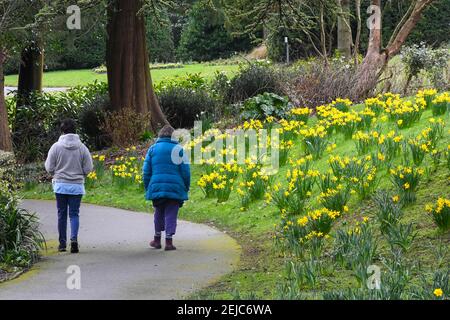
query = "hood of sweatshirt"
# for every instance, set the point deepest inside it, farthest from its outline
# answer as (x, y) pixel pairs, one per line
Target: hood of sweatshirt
(70, 141)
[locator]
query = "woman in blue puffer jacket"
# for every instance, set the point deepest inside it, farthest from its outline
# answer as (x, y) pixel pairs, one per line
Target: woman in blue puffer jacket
(167, 183)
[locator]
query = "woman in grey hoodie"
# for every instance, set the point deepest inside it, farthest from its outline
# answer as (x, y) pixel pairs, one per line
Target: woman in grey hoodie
(69, 162)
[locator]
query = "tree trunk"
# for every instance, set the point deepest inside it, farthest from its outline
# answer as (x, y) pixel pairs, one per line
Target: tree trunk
(5, 134)
(129, 79)
(358, 31)
(30, 73)
(377, 59)
(344, 31)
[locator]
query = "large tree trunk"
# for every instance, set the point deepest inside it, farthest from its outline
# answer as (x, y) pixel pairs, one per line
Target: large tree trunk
(30, 73)
(130, 83)
(358, 31)
(377, 58)
(344, 31)
(5, 134)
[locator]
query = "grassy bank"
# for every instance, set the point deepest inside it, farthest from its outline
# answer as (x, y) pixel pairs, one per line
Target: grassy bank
(262, 263)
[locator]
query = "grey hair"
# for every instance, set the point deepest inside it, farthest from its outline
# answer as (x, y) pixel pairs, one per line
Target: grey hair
(166, 131)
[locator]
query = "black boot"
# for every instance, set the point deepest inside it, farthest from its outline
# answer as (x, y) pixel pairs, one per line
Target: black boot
(74, 247)
(62, 248)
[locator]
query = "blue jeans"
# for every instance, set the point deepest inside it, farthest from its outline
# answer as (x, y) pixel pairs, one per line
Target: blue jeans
(68, 204)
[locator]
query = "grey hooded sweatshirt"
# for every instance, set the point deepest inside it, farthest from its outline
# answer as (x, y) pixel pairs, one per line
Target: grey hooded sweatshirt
(69, 160)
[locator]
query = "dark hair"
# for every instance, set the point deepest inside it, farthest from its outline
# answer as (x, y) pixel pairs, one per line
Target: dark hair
(68, 126)
(166, 131)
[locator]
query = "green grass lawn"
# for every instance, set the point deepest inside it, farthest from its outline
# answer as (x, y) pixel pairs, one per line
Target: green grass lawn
(71, 78)
(262, 264)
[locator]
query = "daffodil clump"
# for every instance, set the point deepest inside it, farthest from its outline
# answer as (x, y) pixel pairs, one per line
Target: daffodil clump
(406, 181)
(291, 198)
(333, 119)
(91, 180)
(289, 129)
(254, 124)
(376, 105)
(347, 123)
(255, 182)
(440, 104)
(126, 171)
(99, 165)
(404, 113)
(440, 211)
(283, 148)
(435, 132)
(301, 114)
(359, 174)
(368, 117)
(389, 146)
(218, 183)
(207, 182)
(419, 147)
(364, 141)
(315, 140)
(321, 220)
(342, 104)
(427, 96)
(356, 248)
(335, 199)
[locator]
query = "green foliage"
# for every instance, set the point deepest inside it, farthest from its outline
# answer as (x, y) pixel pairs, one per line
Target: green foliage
(20, 239)
(159, 38)
(205, 37)
(266, 105)
(35, 127)
(253, 79)
(420, 57)
(388, 211)
(182, 105)
(91, 119)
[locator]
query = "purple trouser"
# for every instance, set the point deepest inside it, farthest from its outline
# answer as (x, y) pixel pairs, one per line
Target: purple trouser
(166, 217)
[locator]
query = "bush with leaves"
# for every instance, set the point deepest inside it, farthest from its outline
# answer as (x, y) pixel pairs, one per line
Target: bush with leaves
(20, 239)
(183, 106)
(266, 105)
(91, 119)
(253, 79)
(35, 127)
(420, 57)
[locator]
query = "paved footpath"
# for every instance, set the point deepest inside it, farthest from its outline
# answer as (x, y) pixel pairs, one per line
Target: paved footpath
(116, 262)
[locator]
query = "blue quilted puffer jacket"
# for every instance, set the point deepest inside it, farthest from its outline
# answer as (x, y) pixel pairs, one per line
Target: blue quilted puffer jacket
(164, 179)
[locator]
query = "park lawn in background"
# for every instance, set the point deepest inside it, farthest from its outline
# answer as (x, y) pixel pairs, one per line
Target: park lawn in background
(262, 265)
(71, 78)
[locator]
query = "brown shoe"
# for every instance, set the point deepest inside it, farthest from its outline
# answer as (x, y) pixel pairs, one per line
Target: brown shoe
(156, 243)
(169, 245)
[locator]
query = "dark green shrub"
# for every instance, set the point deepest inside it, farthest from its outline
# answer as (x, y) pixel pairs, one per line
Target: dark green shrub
(265, 105)
(253, 79)
(31, 174)
(182, 106)
(159, 38)
(205, 37)
(20, 239)
(91, 119)
(35, 127)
